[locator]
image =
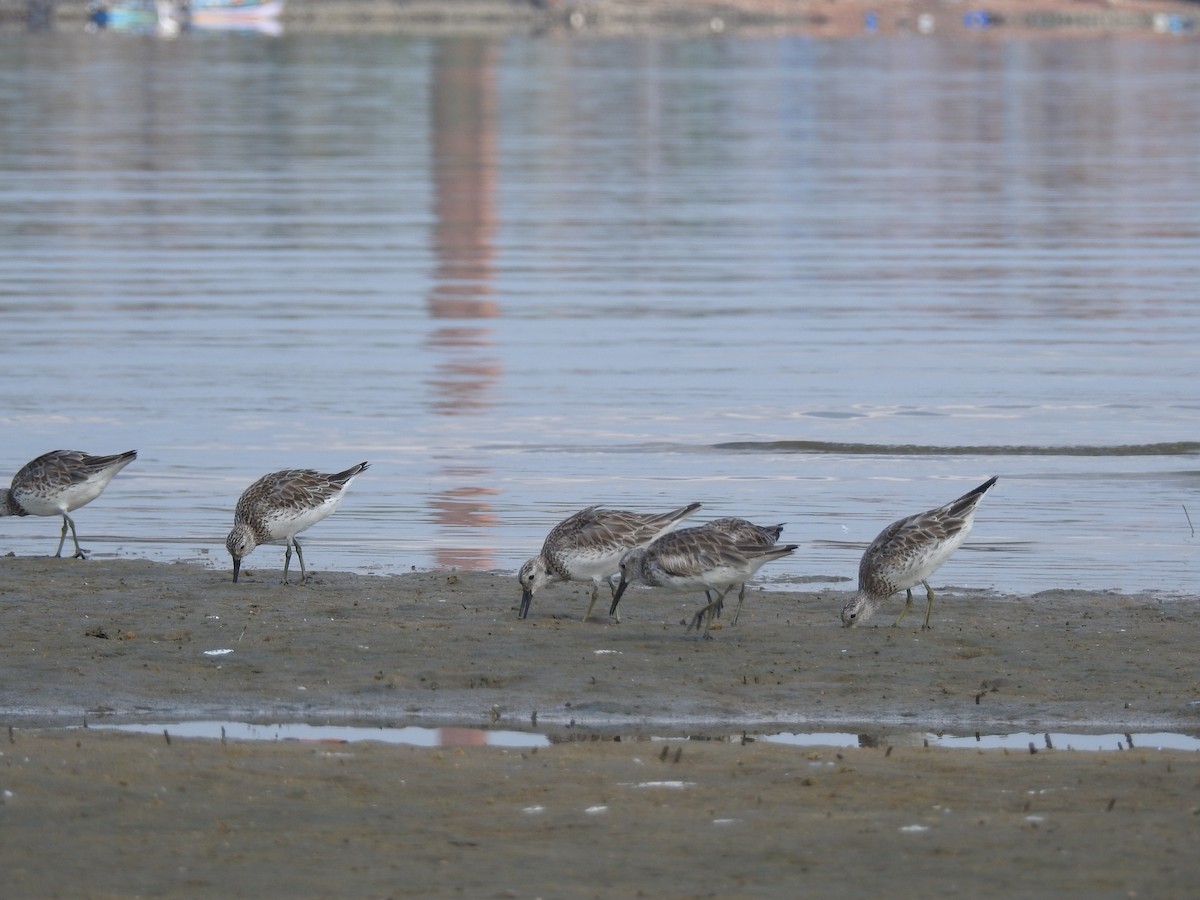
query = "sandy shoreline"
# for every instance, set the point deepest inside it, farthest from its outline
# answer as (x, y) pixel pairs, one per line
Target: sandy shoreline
(93, 815)
(129, 639)
(589, 816)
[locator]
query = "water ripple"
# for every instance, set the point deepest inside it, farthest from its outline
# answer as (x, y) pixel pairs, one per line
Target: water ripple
(1171, 448)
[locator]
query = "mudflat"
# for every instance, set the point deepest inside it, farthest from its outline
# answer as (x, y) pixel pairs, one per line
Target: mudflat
(642, 788)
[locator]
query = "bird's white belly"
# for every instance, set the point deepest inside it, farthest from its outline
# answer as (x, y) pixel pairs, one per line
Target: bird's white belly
(585, 566)
(928, 561)
(717, 578)
(68, 498)
(282, 526)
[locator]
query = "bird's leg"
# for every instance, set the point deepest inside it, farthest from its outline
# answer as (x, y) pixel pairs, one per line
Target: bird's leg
(80, 553)
(300, 556)
(695, 623)
(741, 599)
(928, 604)
(62, 537)
(595, 593)
(712, 607)
(720, 602)
(287, 561)
(907, 607)
(612, 587)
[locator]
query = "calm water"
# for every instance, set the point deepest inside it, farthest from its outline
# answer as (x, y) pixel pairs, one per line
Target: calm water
(824, 283)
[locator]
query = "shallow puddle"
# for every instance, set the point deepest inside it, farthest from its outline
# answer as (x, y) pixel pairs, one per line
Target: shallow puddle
(1158, 740)
(466, 736)
(340, 734)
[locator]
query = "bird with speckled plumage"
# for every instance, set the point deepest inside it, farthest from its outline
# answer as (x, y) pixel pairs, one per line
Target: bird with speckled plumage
(588, 546)
(745, 534)
(58, 482)
(907, 553)
(279, 506)
(696, 559)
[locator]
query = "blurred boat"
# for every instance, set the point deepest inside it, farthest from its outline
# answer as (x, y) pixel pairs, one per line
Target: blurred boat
(168, 17)
(260, 15)
(137, 16)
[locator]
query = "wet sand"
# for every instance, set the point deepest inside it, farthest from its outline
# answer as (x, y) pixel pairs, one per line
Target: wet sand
(88, 812)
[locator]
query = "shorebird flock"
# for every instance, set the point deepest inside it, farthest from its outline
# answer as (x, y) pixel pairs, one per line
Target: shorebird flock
(622, 548)
(616, 547)
(273, 510)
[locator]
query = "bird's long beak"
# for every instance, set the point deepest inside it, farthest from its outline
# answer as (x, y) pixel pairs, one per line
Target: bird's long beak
(612, 611)
(526, 599)
(237, 567)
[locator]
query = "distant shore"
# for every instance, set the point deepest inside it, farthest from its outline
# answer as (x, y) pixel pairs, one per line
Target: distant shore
(818, 18)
